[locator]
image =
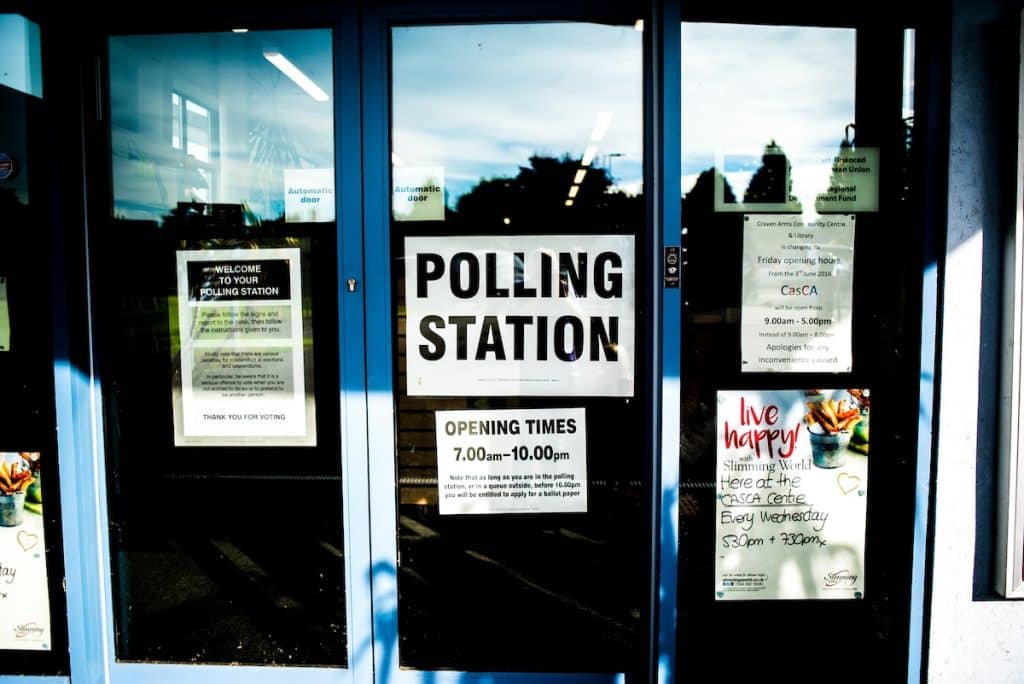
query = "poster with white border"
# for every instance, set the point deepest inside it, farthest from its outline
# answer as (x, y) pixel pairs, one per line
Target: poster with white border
(243, 371)
(520, 315)
(797, 314)
(24, 590)
(791, 483)
(512, 461)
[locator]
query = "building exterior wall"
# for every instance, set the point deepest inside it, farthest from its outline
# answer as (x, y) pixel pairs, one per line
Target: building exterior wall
(974, 634)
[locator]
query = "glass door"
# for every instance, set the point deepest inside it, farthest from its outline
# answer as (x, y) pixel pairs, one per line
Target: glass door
(802, 258)
(510, 477)
(228, 346)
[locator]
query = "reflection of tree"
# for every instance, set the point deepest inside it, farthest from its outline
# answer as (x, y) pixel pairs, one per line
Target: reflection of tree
(271, 150)
(771, 182)
(699, 203)
(534, 199)
(711, 237)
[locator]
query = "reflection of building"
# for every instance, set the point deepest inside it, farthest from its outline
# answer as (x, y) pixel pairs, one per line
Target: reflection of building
(281, 129)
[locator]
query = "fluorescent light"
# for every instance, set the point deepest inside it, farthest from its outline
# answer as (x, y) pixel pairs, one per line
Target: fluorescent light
(568, 203)
(579, 176)
(588, 155)
(293, 72)
(639, 25)
(240, 30)
(574, 190)
(604, 119)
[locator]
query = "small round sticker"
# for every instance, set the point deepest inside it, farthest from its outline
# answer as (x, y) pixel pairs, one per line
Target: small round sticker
(6, 166)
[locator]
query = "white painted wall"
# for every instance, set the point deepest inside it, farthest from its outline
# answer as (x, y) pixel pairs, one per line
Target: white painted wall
(975, 635)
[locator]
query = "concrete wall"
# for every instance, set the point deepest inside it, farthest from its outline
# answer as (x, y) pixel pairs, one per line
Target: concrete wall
(975, 635)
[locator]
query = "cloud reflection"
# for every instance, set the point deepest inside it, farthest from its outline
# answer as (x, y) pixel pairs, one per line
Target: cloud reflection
(480, 100)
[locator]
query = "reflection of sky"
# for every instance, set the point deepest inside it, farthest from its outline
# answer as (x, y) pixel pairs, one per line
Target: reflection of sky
(744, 86)
(479, 100)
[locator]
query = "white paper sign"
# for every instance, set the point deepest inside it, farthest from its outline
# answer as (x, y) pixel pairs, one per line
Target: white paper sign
(309, 195)
(853, 181)
(418, 193)
(797, 180)
(5, 317)
(24, 596)
(520, 315)
(512, 461)
(797, 294)
(242, 359)
(792, 495)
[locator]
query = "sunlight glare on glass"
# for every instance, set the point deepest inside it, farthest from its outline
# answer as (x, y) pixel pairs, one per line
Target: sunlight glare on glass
(588, 155)
(604, 119)
(296, 75)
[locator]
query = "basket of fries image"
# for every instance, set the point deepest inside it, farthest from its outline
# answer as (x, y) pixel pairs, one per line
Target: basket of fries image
(830, 425)
(15, 480)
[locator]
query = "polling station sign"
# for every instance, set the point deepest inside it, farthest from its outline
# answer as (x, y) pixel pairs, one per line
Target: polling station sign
(520, 315)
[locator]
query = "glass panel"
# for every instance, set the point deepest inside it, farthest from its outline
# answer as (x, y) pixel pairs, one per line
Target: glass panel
(225, 483)
(796, 126)
(513, 171)
(248, 116)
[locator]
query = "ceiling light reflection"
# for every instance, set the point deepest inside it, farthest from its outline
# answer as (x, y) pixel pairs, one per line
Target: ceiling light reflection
(293, 72)
(604, 119)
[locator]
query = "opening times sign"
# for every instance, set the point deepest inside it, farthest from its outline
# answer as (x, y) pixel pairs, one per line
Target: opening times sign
(797, 294)
(791, 485)
(512, 461)
(242, 353)
(520, 315)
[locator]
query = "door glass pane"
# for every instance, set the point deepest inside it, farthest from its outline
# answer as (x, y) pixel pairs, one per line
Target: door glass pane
(217, 300)
(522, 180)
(237, 118)
(800, 251)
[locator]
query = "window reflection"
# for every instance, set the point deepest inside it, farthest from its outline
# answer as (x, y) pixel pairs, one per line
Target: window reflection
(766, 107)
(221, 118)
(516, 106)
